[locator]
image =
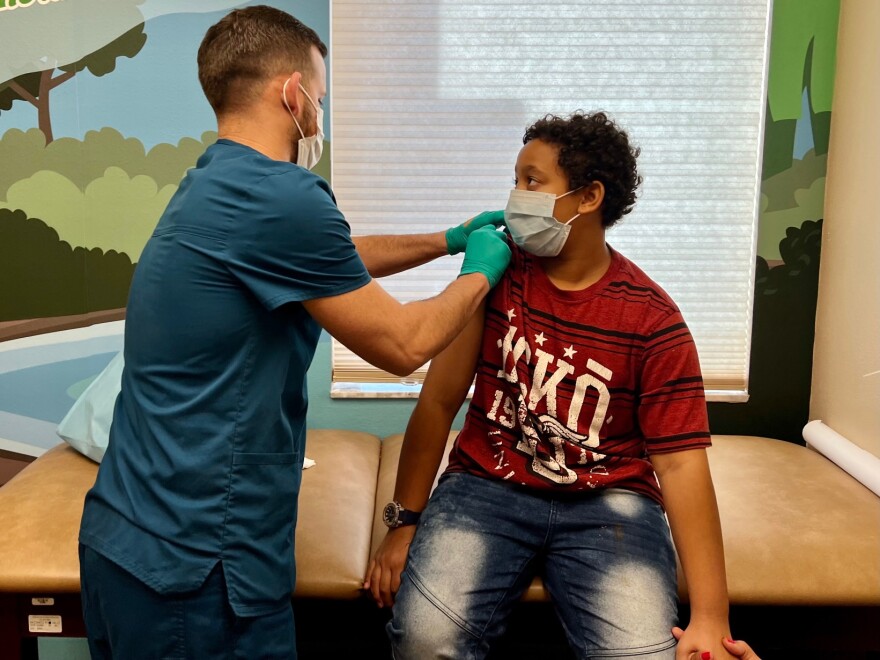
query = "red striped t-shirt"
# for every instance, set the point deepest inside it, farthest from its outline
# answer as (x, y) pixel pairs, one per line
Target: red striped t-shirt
(575, 389)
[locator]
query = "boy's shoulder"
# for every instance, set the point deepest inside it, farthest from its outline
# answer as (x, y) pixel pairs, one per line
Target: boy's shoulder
(636, 285)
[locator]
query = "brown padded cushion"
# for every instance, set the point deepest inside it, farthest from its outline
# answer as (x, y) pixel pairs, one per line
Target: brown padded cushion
(334, 528)
(40, 511)
(391, 447)
(797, 529)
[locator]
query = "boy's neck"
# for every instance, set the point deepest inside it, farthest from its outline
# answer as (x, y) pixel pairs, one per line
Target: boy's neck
(583, 261)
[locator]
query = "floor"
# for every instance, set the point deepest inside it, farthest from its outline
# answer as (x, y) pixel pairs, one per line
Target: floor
(333, 629)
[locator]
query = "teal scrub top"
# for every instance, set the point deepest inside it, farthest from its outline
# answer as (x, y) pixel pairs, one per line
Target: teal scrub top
(206, 447)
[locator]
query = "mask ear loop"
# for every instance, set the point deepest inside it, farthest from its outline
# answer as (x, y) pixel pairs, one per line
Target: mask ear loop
(570, 192)
(287, 105)
(576, 215)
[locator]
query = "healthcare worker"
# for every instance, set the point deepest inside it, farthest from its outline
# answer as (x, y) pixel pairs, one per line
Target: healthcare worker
(186, 543)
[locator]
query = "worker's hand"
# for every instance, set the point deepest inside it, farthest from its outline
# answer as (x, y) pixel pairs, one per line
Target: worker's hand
(383, 574)
(457, 237)
(738, 649)
(487, 253)
(701, 640)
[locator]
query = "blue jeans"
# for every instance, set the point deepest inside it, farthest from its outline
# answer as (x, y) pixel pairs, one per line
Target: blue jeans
(125, 619)
(607, 561)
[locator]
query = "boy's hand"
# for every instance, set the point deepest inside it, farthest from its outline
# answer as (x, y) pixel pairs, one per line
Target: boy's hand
(738, 649)
(383, 574)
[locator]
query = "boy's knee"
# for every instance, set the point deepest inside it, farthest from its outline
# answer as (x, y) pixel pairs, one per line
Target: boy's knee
(419, 630)
(439, 639)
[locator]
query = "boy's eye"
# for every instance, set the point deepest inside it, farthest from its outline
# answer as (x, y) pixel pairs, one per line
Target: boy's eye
(532, 181)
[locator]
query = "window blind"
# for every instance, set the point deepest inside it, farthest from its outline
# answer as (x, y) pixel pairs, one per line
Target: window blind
(431, 99)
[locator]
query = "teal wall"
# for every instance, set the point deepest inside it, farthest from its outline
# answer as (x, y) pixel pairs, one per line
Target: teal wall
(380, 417)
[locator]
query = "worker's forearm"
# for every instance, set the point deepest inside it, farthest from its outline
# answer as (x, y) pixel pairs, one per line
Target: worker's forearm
(388, 254)
(426, 327)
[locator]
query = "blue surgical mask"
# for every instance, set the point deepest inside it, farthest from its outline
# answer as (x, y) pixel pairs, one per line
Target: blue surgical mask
(309, 148)
(529, 218)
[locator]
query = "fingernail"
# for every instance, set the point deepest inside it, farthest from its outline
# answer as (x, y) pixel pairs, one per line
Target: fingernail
(730, 640)
(706, 655)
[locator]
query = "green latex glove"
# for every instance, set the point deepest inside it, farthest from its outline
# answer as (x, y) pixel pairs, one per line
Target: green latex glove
(457, 237)
(487, 252)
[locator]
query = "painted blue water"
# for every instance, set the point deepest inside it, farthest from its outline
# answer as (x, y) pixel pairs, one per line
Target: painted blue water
(46, 392)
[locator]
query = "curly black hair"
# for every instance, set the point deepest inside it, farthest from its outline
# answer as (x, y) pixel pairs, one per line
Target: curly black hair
(593, 148)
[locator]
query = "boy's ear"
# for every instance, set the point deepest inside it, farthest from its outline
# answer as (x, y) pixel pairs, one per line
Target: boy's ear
(592, 197)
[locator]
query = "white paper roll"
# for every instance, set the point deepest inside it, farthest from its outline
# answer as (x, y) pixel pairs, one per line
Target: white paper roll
(860, 464)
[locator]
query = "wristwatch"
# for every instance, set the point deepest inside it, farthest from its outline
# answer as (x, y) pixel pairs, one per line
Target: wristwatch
(394, 515)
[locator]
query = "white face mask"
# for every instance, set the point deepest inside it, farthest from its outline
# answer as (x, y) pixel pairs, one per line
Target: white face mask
(529, 217)
(309, 148)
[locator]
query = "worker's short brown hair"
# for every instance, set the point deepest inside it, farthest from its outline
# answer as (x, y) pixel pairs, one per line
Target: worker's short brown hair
(246, 48)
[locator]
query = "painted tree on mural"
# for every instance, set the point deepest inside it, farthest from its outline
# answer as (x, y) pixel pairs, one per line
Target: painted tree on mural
(36, 87)
(781, 362)
(804, 42)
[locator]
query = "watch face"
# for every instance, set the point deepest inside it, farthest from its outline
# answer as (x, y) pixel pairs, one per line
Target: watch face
(389, 515)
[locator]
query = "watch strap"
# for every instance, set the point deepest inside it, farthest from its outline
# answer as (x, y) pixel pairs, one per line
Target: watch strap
(407, 517)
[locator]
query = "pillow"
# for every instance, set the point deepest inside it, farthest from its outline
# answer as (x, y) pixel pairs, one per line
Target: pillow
(86, 426)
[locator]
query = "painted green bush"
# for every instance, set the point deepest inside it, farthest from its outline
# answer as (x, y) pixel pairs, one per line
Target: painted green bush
(788, 200)
(24, 153)
(783, 330)
(97, 200)
(113, 212)
(44, 276)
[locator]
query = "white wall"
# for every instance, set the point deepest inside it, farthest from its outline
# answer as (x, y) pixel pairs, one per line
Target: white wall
(846, 355)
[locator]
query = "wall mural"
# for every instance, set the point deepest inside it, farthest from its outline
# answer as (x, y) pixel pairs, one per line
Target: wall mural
(801, 80)
(98, 126)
